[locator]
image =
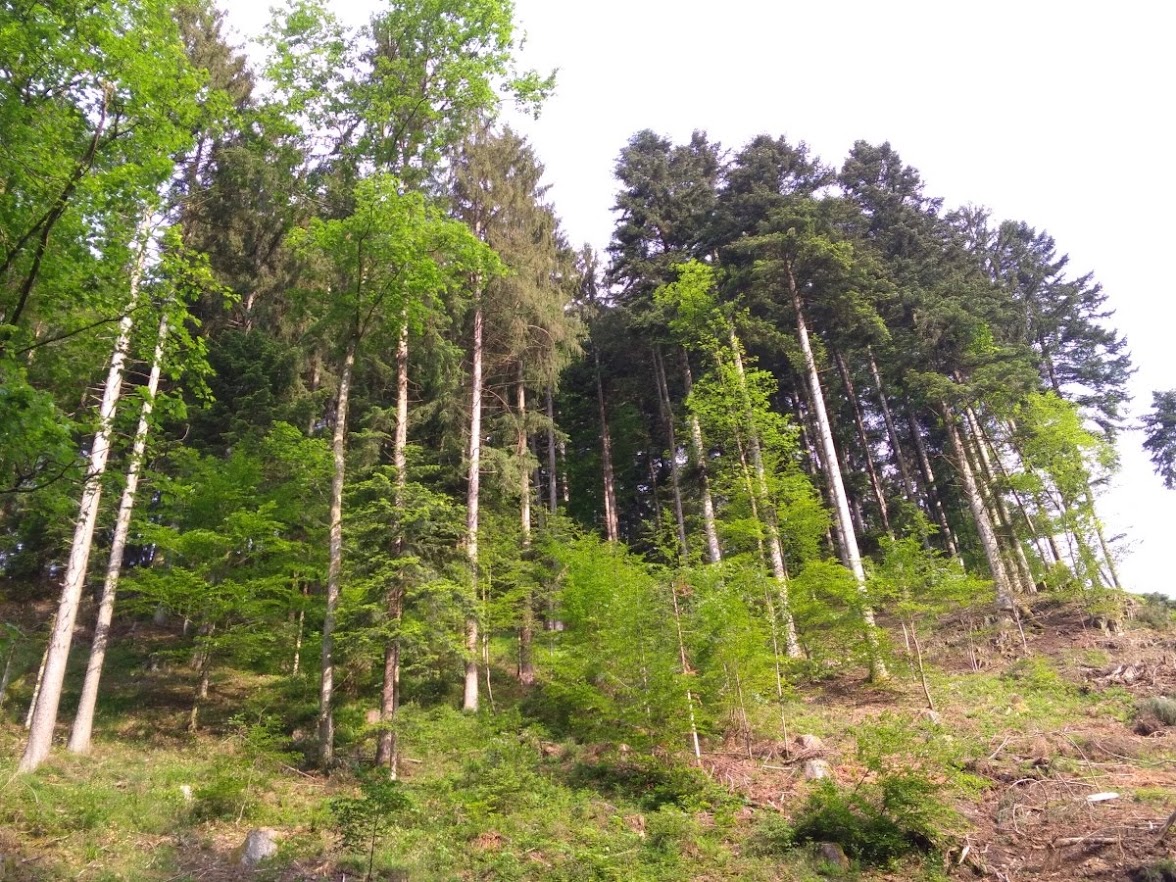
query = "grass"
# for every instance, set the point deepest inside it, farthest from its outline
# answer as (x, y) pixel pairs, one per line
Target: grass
(500, 795)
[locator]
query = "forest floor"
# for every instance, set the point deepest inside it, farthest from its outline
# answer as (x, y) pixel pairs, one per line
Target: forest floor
(1050, 765)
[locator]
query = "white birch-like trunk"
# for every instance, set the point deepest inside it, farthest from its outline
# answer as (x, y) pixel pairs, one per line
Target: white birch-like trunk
(526, 669)
(714, 552)
(765, 506)
(79, 739)
(326, 721)
(833, 474)
(390, 690)
(612, 530)
(470, 697)
(44, 712)
(552, 482)
(984, 526)
(675, 481)
(1019, 569)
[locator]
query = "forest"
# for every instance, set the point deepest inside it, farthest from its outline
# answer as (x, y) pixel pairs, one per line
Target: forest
(326, 457)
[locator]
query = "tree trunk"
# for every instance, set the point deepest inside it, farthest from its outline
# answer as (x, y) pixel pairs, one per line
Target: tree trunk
(934, 502)
(470, 697)
(980, 514)
(714, 552)
(612, 530)
(44, 715)
(326, 722)
(864, 440)
(526, 670)
(766, 506)
(79, 739)
(836, 485)
(891, 432)
(686, 672)
(390, 689)
(1019, 569)
(552, 482)
(675, 482)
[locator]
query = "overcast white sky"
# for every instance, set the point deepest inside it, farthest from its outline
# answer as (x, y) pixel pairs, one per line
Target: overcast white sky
(1055, 113)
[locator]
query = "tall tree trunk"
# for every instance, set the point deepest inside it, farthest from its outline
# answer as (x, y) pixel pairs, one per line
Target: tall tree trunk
(904, 470)
(984, 526)
(934, 500)
(714, 552)
(526, 671)
(552, 482)
(864, 440)
(612, 530)
(79, 739)
(1019, 569)
(470, 697)
(390, 689)
(326, 721)
(1100, 532)
(686, 672)
(766, 505)
(675, 481)
(44, 714)
(836, 485)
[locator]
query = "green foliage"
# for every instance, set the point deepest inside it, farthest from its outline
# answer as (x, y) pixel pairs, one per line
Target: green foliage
(1161, 707)
(362, 820)
(1160, 443)
(1163, 870)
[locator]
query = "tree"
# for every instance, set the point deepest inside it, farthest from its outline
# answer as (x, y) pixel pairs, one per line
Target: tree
(383, 266)
(1160, 442)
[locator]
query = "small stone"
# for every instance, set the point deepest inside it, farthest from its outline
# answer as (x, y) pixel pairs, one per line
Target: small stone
(832, 857)
(931, 716)
(811, 744)
(815, 769)
(259, 845)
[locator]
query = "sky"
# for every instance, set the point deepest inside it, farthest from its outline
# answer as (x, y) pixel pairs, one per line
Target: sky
(1054, 113)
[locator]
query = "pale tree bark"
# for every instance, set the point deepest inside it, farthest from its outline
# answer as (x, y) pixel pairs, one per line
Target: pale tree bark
(667, 410)
(687, 671)
(836, 485)
(470, 696)
(988, 462)
(79, 739)
(44, 711)
(326, 721)
(552, 482)
(934, 501)
(980, 514)
(714, 552)
(612, 530)
(526, 668)
(386, 753)
(766, 506)
(864, 440)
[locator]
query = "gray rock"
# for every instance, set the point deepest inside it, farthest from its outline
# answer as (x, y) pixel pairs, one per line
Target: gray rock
(811, 744)
(931, 716)
(259, 845)
(816, 769)
(832, 858)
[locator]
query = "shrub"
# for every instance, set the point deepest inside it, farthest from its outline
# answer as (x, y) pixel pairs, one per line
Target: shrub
(1161, 707)
(875, 824)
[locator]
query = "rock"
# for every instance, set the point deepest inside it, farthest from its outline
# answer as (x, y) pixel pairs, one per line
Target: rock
(259, 845)
(832, 858)
(811, 744)
(816, 769)
(931, 716)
